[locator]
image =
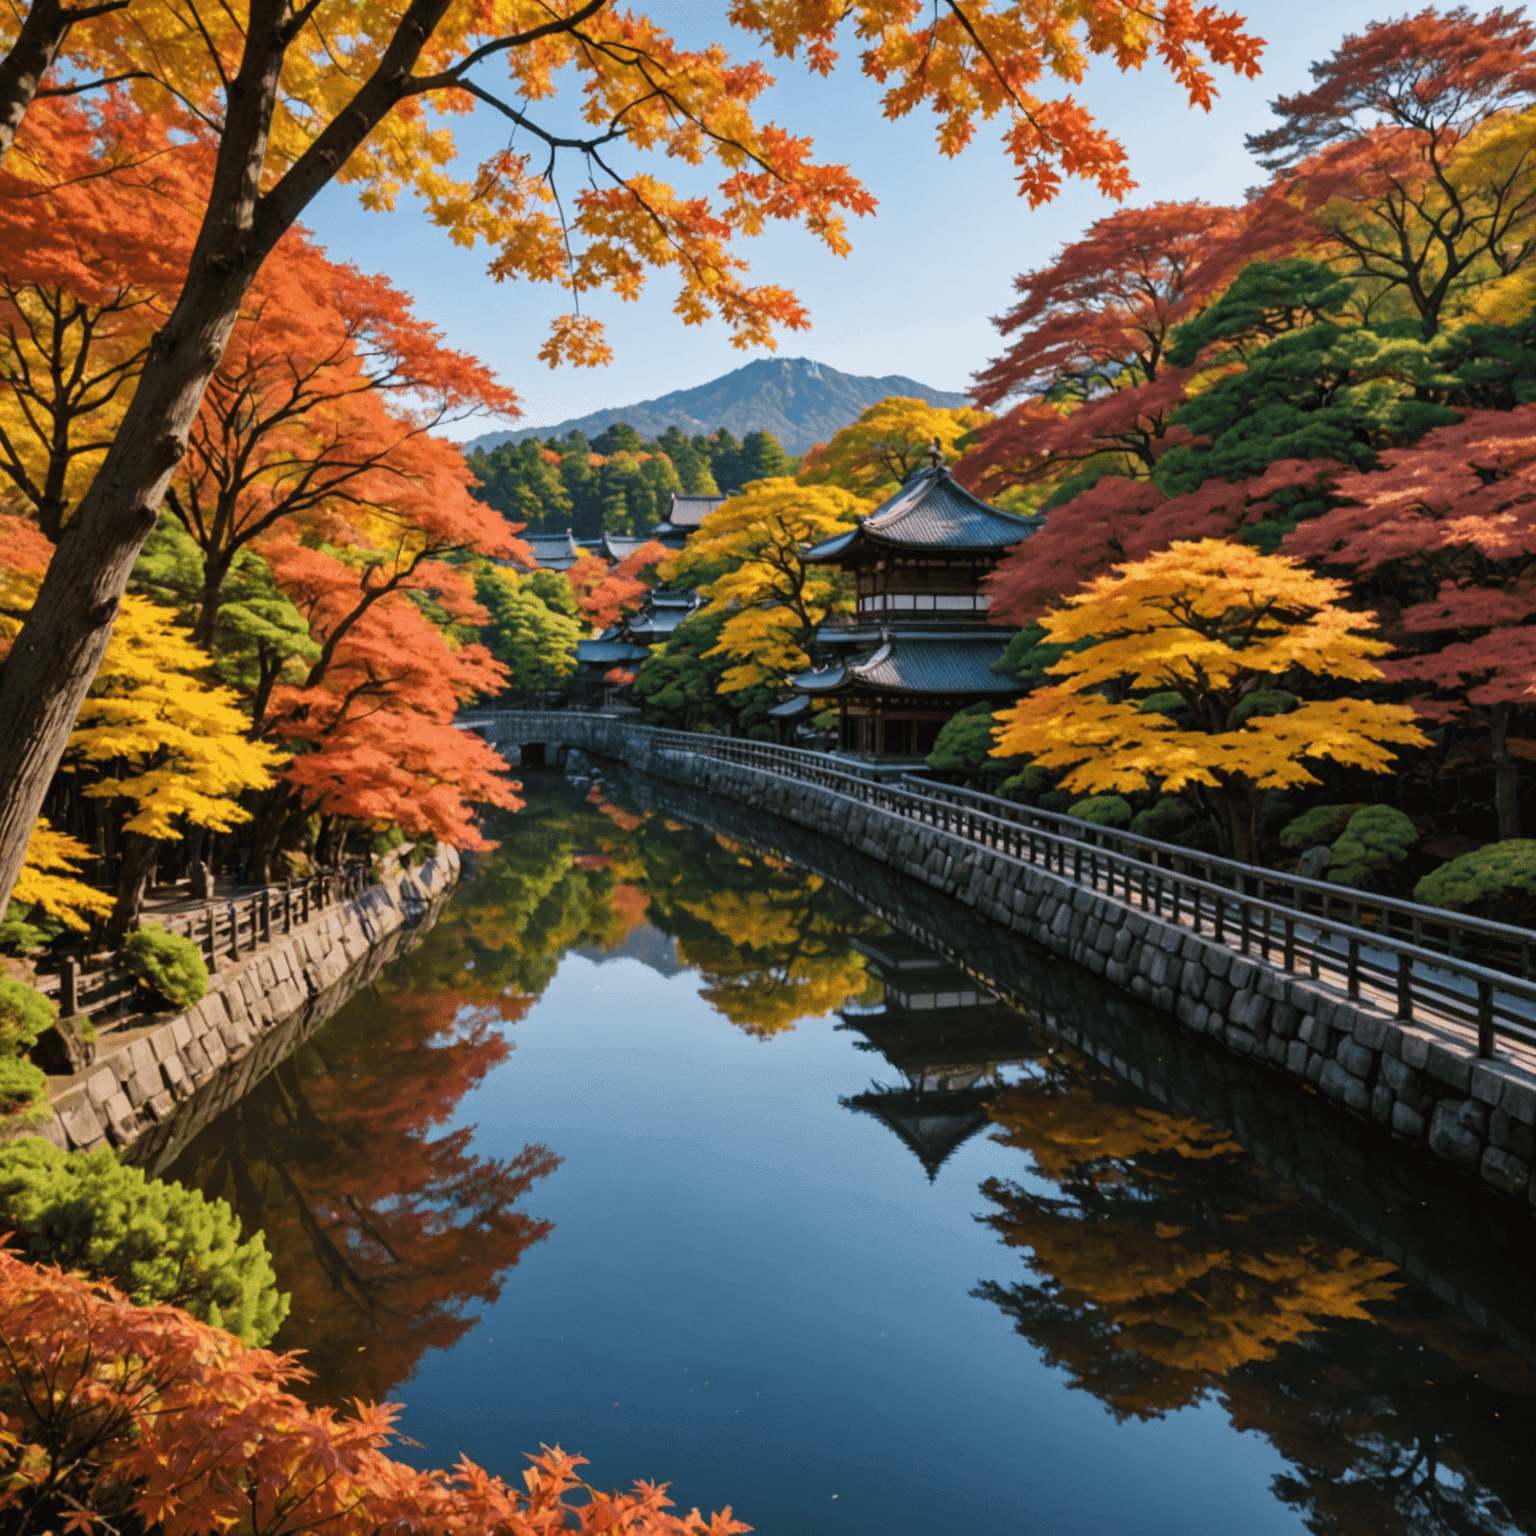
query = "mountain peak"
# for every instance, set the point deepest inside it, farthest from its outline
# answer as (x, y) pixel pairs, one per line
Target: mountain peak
(800, 401)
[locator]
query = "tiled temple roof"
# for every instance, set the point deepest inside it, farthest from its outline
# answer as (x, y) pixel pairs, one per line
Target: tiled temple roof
(931, 511)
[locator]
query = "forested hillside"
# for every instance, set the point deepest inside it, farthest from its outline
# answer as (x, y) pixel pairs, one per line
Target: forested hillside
(617, 483)
(799, 401)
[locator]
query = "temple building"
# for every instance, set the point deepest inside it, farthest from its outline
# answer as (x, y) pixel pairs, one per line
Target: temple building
(553, 551)
(947, 1036)
(918, 648)
(688, 511)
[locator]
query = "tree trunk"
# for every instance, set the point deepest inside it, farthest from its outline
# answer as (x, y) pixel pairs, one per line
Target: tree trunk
(1238, 815)
(270, 821)
(139, 856)
(56, 655)
(30, 58)
(1506, 772)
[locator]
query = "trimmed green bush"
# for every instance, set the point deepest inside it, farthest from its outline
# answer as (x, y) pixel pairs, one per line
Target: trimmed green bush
(156, 1242)
(23, 1092)
(24, 1014)
(1102, 811)
(965, 742)
(1029, 784)
(19, 935)
(1162, 704)
(1500, 869)
(1322, 825)
(1165, 820)
(1376, 840)
(170, 964)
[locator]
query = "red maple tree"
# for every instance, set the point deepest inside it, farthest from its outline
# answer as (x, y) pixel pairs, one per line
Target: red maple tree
(1447, 530)
(322, 414)
(606, 593)
(1091, 330)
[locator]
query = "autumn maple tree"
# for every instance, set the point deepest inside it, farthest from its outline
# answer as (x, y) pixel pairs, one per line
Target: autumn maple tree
(115, 1413)
(1410, 156)
(1187, 684)
(289, 98)
(892, 440)
(323, 415)
(372, 720)
(1090, 336)
(1446, 528)
(771, 603)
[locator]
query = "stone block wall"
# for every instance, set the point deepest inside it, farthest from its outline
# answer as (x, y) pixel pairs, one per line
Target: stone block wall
(153, 1086)
(1413, 1081)
(1414, 1209)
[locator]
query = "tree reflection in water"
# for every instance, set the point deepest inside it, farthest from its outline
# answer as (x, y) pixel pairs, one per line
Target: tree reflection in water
(1165, 1267)
(1168, 1267)
(385, 1228)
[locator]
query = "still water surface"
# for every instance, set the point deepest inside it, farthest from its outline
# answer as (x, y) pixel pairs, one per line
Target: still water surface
(672, 1153)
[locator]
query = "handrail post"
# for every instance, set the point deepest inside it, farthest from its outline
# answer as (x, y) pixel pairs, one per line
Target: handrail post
(1485, 1019)
(1404, 985)
(1353, 974)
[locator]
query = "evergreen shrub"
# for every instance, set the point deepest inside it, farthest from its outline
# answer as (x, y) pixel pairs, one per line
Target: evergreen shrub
(1164, 820)
(1102, 811)
(1500, 870)
(170, 964)
(1320, 826)
(1376, 840)
(24, 1014)
(156, 1242)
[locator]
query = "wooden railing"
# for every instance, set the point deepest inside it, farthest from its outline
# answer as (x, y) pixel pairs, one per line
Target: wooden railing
(224, 930)
(1422, 964)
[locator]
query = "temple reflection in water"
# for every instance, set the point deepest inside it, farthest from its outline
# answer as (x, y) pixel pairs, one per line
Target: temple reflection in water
(946, 1035)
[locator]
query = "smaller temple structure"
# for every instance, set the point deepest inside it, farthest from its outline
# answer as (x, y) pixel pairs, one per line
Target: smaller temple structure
(553, 551)
(948, 1037)
(919, 647)
(688, 512)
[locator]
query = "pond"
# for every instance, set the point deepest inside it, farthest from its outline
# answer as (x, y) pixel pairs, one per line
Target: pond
(676, 1153)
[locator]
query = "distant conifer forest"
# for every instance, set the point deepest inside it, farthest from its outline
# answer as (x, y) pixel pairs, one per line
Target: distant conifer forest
(617, 482)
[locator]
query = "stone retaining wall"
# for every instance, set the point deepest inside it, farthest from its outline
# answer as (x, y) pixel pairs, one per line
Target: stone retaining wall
(151, 1087)
(1421, 1084)
(1400, 1202)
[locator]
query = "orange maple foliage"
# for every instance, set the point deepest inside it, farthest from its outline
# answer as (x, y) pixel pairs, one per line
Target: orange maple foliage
(375, 717)
(112, 1412)
(97, 220)
(323, 415)
(604, 593)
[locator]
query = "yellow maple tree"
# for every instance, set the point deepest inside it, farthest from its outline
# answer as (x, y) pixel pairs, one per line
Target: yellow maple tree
(48, 880)
(887, 444)
(1186, 686)
(182, 741)
(774, 603)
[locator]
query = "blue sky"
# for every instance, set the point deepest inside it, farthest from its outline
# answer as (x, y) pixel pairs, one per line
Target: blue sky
(927, 270)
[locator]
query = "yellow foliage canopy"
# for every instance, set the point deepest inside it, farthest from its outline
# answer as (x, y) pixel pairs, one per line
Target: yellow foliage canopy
(1220, 626)
(887, 444)
(182, 740)
(775, 602)
(52, 858)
